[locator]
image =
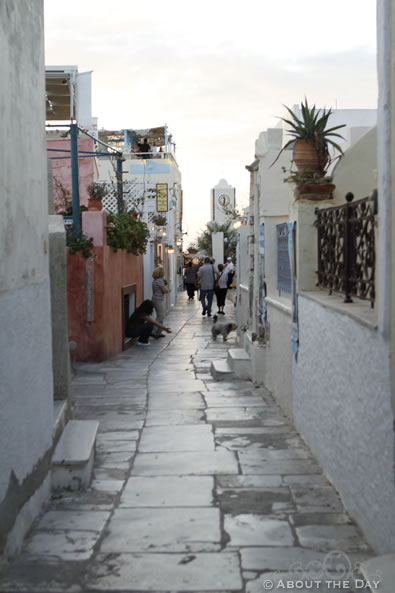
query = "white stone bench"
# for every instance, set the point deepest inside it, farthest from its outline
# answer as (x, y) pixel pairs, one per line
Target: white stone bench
(72, 463)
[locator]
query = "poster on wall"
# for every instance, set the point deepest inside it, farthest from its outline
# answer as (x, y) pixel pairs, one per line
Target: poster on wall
(162, 197)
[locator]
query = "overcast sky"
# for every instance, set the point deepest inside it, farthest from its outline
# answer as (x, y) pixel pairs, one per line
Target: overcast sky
(216, 71)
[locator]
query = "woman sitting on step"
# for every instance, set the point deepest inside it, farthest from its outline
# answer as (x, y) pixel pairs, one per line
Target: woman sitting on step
(141, 324)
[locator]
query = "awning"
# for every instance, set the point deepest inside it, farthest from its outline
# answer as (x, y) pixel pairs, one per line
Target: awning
(60, 86)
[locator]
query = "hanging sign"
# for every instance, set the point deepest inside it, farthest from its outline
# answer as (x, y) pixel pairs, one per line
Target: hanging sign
(162, 204)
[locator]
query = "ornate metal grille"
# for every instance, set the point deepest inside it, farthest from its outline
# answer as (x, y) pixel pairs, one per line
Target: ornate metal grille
(346, 248)
(283, 263)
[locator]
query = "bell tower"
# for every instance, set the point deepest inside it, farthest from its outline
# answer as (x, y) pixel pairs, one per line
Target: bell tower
(223, 199)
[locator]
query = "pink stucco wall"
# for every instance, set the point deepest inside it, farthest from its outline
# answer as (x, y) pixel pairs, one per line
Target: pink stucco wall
(61, 170)
(100, 298)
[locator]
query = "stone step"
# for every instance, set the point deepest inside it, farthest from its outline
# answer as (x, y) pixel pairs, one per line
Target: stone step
(72, 463)
(240, 363)
(220, 369)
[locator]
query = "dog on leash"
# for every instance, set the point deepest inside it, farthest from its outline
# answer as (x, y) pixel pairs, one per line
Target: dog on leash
(222, 328)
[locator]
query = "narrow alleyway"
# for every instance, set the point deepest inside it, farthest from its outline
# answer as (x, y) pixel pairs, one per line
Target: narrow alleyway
(198, 485)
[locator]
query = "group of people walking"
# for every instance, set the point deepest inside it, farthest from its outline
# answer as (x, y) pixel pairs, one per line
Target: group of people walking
(209, 281)
(206, 279)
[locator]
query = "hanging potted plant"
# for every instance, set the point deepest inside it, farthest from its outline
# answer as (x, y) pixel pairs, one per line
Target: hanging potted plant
(159, 220)
(96, 192)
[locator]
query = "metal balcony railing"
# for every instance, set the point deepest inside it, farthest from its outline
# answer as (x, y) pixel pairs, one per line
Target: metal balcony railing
(346, 248)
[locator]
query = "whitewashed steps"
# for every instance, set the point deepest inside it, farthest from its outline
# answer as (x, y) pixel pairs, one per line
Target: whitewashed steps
(72, 463)
(240, 363)
(221, 370)
(237, 364)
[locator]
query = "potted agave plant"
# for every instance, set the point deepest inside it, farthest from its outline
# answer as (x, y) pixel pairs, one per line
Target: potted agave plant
(96, 192)
(311, 140)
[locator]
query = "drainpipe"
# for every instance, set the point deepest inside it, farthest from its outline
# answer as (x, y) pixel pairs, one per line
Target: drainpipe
(75, 179)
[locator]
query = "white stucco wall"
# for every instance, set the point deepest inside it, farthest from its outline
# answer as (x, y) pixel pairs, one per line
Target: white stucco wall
(272, 362)
(26, 392)
(342, 408)
(242, 268)
(357, 170)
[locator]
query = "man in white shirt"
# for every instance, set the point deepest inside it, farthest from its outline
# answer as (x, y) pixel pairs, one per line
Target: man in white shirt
(229, 271)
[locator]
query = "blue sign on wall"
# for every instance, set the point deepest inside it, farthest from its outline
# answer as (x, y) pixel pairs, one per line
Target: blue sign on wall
(151, 166)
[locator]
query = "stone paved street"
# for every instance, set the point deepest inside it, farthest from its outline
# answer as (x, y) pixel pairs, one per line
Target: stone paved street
(198, 485)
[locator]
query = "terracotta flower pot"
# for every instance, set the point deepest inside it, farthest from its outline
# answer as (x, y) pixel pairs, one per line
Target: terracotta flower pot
(306, 158)
(316, 191)
(94, 204)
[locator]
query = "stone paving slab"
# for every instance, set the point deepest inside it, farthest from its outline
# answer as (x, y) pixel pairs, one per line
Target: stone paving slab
(316, 500)
(164, 401)
(121, 423)
(331, 537)
(232, 413)
(253, 530)
(62, 520)
(171, 386)
(279, 559)
(218, 572)
(250, 481)
(118, 435)
(261, 501)
(260, 441)
(114, 460)
(87, 500)
(237, 430)
(116, 446)
(251, 465)
(174, 491)
(172, 417)
(67, 545)
(112, 486)
(215, 400)
(188, 463)
(165, 529)
(193, 437)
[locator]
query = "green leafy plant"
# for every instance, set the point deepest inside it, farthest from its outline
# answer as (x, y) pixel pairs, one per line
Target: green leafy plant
(126, 231)
(304, 177)
(78, 242)
(204, 241)
(312, 125)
